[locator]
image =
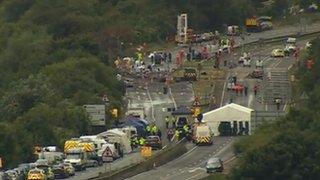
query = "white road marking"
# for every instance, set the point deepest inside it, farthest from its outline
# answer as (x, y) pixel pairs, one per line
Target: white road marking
(266, 106)
(250, 99)
(172, 98)
(152, 108)
(223, 91)
(196, 169)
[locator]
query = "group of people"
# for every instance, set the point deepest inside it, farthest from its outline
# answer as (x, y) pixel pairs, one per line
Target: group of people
(151, 129)
(159, 57)
(170, 122)
(136, 141)
(185, 131)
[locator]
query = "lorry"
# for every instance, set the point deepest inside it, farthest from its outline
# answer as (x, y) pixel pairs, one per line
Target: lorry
(98, 142)
(130, 131)
(71, 143)
(80, 158)
(116, 136)
(82, 152)
(258, 24)
(202, 133)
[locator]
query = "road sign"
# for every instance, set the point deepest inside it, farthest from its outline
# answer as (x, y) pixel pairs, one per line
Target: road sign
(114, 112)
(107, 153)
(146, 151)
(196, 111)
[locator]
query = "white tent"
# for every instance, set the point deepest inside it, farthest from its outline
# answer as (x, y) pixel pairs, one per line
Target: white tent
(117, 136)
(228, 113)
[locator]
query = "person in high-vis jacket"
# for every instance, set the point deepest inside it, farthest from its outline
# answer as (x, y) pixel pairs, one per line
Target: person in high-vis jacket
(167, 121)
(142, 141)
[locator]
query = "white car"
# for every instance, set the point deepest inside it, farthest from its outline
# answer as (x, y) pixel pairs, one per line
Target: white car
(308, 45)
(247, 63)
(290, 47)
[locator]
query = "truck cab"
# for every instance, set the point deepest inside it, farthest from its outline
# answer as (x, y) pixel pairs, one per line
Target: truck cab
(202, 134)
(77, 157)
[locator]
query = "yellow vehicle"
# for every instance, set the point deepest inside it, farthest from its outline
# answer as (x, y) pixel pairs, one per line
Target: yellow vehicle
(202, 134)
(70, 144)
(257, 24)
(87, 146)
(277, 53)
(36, 174)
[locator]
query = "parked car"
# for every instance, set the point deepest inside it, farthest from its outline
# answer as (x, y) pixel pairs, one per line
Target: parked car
(37, 174)
(1, 175)
(214, 164)
(11, 175)
(24, 168)
(60, 171)
(277, 53)
(69, 168)
(154, 142)
(257, 73)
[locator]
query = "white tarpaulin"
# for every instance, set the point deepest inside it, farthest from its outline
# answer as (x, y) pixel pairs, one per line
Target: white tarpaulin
(228, 113)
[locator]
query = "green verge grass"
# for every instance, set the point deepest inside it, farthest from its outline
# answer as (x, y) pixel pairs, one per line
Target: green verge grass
(216, 177)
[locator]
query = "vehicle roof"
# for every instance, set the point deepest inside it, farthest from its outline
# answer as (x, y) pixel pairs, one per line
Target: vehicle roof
(11, 171)
(213, 160)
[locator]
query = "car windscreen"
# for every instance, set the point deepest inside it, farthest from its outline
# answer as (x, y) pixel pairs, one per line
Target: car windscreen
(182, 121)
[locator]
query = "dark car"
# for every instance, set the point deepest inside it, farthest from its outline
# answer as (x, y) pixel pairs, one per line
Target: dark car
(154, 142)
(60, 171)
(24, 168)
(214, 164)
(257, 73)
(11, 174)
